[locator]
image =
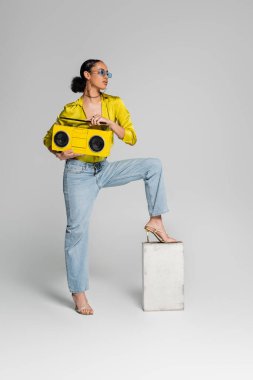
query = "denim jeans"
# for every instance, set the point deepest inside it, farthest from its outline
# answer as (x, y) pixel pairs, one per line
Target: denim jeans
(81, 184)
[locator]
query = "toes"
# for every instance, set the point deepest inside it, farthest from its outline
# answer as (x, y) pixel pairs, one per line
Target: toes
(87, 311)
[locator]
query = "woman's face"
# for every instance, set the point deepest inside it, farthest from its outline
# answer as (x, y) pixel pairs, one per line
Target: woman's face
(95, 78)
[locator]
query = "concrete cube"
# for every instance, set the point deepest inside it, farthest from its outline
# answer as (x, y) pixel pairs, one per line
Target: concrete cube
(163, 276)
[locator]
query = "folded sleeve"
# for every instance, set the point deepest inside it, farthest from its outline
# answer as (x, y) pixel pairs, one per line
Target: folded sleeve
(123, 118)
(47, 139)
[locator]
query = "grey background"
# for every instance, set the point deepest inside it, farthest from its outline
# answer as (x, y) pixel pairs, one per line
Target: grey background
(184, 70)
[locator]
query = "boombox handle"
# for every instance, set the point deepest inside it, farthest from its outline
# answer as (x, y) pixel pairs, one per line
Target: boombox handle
(83, 121)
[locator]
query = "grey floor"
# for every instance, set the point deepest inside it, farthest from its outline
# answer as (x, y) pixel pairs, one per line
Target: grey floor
(44, 338)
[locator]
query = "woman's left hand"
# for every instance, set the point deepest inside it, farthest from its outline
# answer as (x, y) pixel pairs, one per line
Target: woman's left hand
(97, 119)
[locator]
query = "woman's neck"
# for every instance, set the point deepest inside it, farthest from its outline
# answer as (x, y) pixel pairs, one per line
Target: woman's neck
(91, 96)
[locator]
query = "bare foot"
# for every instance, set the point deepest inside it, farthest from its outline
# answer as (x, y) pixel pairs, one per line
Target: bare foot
(156, 222)
(81, 303)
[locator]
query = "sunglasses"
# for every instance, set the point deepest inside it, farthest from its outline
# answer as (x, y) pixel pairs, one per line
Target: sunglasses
(102, 72)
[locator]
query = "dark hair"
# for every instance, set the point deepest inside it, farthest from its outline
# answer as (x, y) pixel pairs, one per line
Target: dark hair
(78, 83)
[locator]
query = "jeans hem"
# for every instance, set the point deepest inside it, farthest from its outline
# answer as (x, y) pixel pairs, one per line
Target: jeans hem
(78, 291)
(159, 212)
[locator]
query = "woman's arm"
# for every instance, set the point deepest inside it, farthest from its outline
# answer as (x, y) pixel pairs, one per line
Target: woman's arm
(124, 122)
(47, 140)
(116, 128)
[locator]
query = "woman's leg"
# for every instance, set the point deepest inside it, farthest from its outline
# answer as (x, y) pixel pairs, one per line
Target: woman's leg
(80, 191)
(121, 172)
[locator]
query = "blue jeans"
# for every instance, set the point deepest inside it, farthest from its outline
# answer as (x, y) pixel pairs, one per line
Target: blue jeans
(81, 184)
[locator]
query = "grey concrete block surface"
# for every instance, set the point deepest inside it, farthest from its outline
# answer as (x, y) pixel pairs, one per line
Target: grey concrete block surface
(162, 276)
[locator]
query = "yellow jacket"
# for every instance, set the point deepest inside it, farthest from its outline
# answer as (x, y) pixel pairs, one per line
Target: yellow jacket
(113, 108)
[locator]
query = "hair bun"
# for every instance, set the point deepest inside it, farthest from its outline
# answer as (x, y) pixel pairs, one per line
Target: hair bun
(77, 84)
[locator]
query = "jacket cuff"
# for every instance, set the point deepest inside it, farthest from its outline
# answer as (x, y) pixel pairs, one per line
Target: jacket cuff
(128, 137)
(47, 143)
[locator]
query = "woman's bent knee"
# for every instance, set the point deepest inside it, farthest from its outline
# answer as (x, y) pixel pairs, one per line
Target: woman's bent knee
(154, 163)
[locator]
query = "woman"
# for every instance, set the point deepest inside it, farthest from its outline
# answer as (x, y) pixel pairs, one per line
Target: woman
(84, 175)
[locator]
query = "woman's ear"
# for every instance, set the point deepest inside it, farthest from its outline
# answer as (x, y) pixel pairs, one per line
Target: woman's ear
(86, 74)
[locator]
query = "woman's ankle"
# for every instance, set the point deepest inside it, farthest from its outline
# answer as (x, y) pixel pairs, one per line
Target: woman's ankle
(155, 219)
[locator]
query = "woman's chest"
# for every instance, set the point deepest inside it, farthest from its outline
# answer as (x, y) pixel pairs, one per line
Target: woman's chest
(92, 109)
(85, 111)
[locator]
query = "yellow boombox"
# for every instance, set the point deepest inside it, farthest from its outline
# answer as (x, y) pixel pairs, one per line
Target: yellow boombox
(88, 141)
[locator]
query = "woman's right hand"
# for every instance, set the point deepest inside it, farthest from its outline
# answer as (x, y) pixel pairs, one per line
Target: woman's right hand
(66, 154)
